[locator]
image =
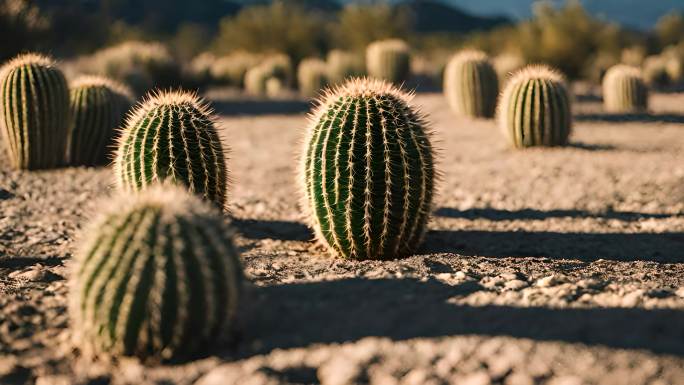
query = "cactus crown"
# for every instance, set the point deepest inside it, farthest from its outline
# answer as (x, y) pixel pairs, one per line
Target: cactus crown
(156, 276)
(624, 70)
(88, 81)
(534, 108)
(30, 58)
(172, 135)
(367, 171)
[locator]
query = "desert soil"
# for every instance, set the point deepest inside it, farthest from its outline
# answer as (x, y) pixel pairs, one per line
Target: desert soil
(560, 266)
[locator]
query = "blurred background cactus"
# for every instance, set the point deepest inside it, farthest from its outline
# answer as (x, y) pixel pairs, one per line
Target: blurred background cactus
(34, 118)
(277, 66)
(370, 198)
(312, 76)
(343, 65)
(534, 108)
(98, 107)
(389, 60)
(231, 69)
(505, 65)
(655, 72)
(471, 85)
(172, 137)
(156, 276)
(624, 89)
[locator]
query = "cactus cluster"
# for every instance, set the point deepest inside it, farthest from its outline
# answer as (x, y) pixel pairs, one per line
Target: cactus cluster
(624, 89)
(471, 85)
(312, 76)
(534, 109)
(368, 171)
(34, 118)
(98, 106)
(389, 60)
(172, 136)
(275, 66)
(157, 276)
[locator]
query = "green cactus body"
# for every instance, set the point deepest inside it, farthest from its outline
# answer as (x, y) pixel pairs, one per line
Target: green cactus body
(389, 60)
(534, 108)
(624, 89)
(172, 136)
(34, 118)
(367, 171)
(98, 107)
(312, 75)
(157, 276)
(471, 85)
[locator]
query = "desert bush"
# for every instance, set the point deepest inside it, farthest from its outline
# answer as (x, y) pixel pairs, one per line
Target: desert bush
(670, 28)
(471, 85)
(624, 89)
(34, 120)
(343, 65)
(634, 55)
(534, 108)
(98, 107)
(200, 67)
(157, 276)
(231, 69)
(359, 25)
(143, 66)
(655, 71)
(277, 66)
(172, 137)
(389, 60)
(312, 76)
(274, 87)
(599, 65)
(374, 201)
(22, 25)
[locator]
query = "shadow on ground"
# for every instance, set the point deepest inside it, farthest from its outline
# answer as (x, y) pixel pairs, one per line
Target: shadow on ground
(260, 107)
(280, 230)
(631, 118)
(402, 309)
(531, 214)
(657, 247)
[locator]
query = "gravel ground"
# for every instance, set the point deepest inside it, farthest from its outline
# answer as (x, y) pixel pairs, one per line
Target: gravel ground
(553, 266)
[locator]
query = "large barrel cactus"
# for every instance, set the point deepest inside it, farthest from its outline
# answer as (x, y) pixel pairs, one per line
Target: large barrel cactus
(389, 60)
(534, 108)
(367, 171)
(471, 85)
(157, 276)
(172, 136)
(34, 118)
(98, 107)
(312, 76)
(624, 89)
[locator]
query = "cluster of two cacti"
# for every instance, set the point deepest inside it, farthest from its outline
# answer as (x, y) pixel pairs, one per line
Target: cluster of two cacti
(46, 124)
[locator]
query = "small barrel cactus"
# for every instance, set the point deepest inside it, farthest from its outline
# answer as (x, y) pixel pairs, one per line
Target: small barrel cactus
(534, 109)
(367, 171)
(172, 136)
(624, 89)
(34, 118)
(98, 107)
(344, 65)
(312, 75)
(389, 60)
(157, 276)
(471, 85)
(275, 66)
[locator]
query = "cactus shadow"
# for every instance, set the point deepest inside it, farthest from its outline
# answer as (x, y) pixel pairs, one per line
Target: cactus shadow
(20, 262)
(588, 247)
(631, 118)
(298, 315)
(532, 214)
(591, 147)
(280, 230)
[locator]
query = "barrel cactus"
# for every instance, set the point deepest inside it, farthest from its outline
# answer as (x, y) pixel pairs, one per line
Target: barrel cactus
(624, 89)
(389, 60)
(98, 107)
(343, 65)
(156, 276)
(172, 136)
(534, 109)
(367, 171)
(312, 76)
(471, 85)
(34, 118)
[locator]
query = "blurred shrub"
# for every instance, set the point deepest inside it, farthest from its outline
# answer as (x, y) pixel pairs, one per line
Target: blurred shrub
(312, 76)
(278, 27)
(598, 65)
(634, 55)
(343, 65)
(22, 26)
(275, 66)
(670, 29)
(655, 72)
(200, 67)
(231, 69)
(359, 25)
(141, 65)
(190, 40)
(505, 65)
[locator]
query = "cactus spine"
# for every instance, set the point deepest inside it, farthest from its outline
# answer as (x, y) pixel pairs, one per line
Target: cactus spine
(98, 106)
(34, 118)
(312, 75)
(172, 136)
(388, 60)
(156, 276)
(534, 108)
(471, 85)
(367, 171)
(624, 89)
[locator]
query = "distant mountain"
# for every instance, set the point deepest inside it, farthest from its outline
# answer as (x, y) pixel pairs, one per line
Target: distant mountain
(436, 16)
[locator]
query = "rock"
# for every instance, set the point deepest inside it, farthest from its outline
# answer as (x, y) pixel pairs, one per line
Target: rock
(516, 284)
(519, 379)
(551, 280)
(633, 299)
